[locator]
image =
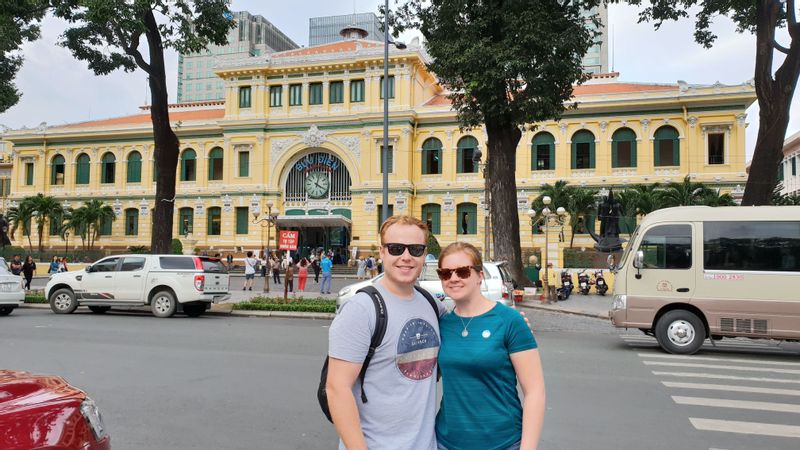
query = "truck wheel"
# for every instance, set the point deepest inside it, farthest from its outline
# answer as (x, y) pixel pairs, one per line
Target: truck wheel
(5, 310)
(99, 309)
(680, 332)
(63, 301)
(194, 310)
(163, 304)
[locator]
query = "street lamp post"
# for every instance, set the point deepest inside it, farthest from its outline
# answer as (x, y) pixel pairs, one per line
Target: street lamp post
(547, 218)
(270, 218)
(385, 89)
(66, 242)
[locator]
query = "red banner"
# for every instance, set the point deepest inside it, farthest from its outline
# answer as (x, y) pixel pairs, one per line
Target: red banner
(288, 240)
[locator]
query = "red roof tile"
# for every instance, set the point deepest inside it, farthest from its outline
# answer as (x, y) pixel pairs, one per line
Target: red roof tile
(174, 116)
(335, 47)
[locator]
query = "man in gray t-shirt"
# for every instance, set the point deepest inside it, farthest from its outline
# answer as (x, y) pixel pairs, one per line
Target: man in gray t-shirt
(400, 382)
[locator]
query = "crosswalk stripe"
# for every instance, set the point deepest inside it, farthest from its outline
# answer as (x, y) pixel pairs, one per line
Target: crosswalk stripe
(729, 360)
(734, 426)
(724, 377)
(721, 367)
(731, 388)
(737, 404)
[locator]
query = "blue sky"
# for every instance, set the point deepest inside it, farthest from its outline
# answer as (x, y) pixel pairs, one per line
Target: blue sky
(58, 89)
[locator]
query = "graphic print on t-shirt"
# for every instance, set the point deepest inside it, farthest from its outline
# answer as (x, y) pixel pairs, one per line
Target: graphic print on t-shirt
(417, 349)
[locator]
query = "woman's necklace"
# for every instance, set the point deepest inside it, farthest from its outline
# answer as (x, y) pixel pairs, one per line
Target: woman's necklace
(465, 332)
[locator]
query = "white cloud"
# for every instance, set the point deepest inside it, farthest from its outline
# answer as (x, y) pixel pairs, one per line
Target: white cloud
(59, 89)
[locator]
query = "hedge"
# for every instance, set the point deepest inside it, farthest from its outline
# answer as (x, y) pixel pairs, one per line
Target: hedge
(35, 298)
(276, 304)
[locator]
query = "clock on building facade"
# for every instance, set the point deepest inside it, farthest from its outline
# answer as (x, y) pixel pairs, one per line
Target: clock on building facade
(317, 184)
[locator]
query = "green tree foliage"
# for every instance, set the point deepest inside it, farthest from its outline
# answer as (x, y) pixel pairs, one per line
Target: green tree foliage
(108, 35)
(44, 208)
(504, 64)
(20, 217)
(685, 193)
(581, 203)
(19, 23)
(87, 220)
(775, 83)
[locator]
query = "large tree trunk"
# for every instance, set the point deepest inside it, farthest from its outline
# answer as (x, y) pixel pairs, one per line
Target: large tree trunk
(166, 143)
(774, 100)
(501, 168)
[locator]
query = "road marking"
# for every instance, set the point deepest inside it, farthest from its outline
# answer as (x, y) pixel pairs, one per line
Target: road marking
(649, 340)
(712, 366)
(737, 404)
(730, 360)
(724, 377)
(731, 388)
(733, 426)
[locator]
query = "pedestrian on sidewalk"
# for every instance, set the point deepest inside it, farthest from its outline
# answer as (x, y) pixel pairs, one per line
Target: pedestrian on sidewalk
(28, 268)
(276, 270)
(325, 267)
(302, 275)
(249, 271)
(16, 265)
(62, 264)
(53, 265)
(315, 267)
(552, 283)
(289, 280)
(361, 273)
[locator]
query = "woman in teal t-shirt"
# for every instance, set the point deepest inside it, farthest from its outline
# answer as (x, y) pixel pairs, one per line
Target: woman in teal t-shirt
(486, 347)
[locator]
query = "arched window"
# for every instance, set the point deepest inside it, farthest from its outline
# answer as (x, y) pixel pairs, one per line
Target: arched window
(466, 150)
(131, 222)
(583, 150)
(134, 168)
(82, 169)
(431, 157)
(666, 147)
(185, 220)
(109, 168)
(57, 170)
(432, 215)
(467, 215)
(623, 148)
(188, 165)
(215, 164)
(214, 221)
(543, 152)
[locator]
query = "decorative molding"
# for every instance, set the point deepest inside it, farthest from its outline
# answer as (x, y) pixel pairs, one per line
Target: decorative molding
(369, 202)
(352, 143)
(692, 120)
(667, 172)
(563, 128)
(740, 118)
(448, 203)
(603, 126)
(278, 147)
(645, 123)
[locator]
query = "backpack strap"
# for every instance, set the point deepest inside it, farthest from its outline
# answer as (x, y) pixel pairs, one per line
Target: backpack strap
(429, 298)
(377, 335)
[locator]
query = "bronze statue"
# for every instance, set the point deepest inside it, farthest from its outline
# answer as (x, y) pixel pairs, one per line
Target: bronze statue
(609, 213)
(4, 240)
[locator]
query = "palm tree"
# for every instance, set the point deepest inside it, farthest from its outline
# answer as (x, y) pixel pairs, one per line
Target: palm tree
(20, 217)
(629, 201)
(559, 194)
(650, 198)
(44, 208)
(686, 193)
(94, 214)
(75, 221)
(580, 203)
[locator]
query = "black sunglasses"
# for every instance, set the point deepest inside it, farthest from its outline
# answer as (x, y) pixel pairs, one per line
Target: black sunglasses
(461, 272)
(415, 250)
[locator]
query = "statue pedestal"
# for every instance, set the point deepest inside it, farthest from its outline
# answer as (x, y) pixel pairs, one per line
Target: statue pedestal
(188, 244)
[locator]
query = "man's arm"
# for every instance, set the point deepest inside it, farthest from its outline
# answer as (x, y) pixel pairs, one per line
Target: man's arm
(342, 375)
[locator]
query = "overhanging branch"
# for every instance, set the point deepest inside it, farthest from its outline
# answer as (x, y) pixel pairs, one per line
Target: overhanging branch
(779, 47)
(130, 47)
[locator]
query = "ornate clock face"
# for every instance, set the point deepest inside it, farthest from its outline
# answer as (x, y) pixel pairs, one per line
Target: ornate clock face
(317, 184)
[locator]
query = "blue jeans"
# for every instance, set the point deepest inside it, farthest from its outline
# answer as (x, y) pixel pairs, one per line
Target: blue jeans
(326, 281)
(512, 447)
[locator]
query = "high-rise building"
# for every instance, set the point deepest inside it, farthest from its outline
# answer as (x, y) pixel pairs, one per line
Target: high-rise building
(596, 59)
(253, 36)
(324, 30)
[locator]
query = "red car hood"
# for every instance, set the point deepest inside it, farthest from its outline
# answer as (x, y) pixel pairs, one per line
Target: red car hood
(21, 390)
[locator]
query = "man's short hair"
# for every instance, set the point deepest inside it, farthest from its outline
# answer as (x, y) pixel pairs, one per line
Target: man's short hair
(404, 220)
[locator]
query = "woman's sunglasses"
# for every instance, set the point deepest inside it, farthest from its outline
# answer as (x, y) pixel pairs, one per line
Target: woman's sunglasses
(415, 250)
(461, 272)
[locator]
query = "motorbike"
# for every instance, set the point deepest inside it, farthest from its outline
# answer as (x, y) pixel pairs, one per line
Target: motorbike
(566, 285)
(583, 282)
(600, 282)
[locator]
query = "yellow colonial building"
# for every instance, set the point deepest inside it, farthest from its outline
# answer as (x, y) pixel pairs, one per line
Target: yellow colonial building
(301, 131)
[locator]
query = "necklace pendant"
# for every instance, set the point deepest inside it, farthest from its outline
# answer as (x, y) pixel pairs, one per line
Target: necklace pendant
(465, 333)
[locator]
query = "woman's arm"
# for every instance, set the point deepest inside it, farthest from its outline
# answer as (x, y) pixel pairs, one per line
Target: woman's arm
(528, 367)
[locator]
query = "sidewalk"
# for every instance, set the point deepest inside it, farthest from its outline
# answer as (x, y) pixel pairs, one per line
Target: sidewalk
(591, 305)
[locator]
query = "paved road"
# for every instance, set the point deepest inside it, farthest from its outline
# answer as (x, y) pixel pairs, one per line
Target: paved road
(244, 383)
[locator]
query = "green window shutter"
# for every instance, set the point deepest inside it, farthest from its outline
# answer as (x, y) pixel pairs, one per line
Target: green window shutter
(431, 216)
(105, 228)
(188, 165)
(244, 97)
(591, 155)
(432, 156)
(82, 170)
(466, 147)
(391, 159)
(357, 91)
(214, 221)
(55, 224)
(425, 170)
(543, 138)
(295, 94)
(244, 164)
(633, 153)
(534, 155)
(215, 159)
(134, 172)
(390, 87)
(275, 95)
(241, 220)
(552, 157)
(657, 152)
(186, 220)
(336, 94)
(459, 161)
(574, 155)
(780, 172)
(614, 159)
(315, 94)
(471, 211)
(131, 222)
(676, 152)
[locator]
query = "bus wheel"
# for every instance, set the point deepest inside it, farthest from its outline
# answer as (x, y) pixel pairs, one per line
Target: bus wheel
(680, 332)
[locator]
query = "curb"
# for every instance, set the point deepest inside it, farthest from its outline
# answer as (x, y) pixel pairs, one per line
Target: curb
(239, 313)
(575, 312)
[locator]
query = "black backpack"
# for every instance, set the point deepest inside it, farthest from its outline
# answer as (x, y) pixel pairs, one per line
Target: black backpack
(377, 337)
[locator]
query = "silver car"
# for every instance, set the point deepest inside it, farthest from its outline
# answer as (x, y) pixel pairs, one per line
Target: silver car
(497, 285)
(11, 293)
